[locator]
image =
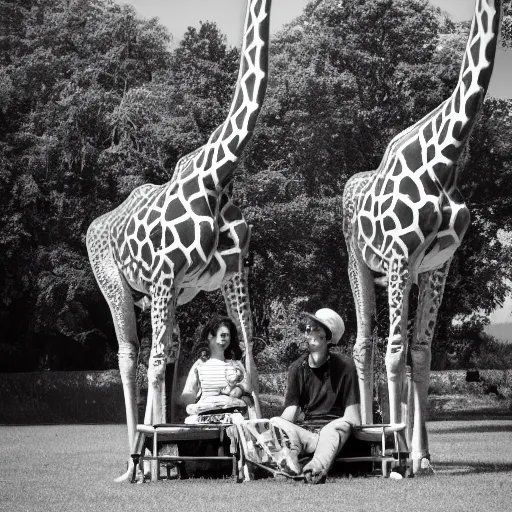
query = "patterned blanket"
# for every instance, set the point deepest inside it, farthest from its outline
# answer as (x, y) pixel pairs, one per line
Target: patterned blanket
(265, 446)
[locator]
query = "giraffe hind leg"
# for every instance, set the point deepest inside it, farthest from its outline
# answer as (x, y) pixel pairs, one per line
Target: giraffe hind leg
(431, 289)
(235, 291)
(398, 299)
(236, 235)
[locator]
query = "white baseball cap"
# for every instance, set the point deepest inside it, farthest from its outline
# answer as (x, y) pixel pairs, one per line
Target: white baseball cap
(331, 321)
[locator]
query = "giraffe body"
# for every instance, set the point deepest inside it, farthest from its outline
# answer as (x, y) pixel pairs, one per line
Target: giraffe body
(405, 220)
(145, 245)
(168, 242)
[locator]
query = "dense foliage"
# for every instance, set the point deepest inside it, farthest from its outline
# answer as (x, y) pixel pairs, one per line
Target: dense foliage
(93, 103)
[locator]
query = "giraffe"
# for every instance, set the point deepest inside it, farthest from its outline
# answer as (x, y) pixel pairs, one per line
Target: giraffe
(168, 242)
(402, 225)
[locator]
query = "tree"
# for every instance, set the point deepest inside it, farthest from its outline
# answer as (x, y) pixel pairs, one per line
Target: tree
(161, 121)
(343, 82)
(506, 28)
(100, 106)
(74, 63)
(93, 103)
(481, 271)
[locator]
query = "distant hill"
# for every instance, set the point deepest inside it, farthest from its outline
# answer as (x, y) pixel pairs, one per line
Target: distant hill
(501, 331)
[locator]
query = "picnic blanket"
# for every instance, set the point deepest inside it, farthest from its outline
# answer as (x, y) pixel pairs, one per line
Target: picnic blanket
(266, 446)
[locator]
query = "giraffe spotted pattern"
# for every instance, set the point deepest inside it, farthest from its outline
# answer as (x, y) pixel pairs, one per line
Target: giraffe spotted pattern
(412, 201)
(405, 220)
(173, 232)
(170, 241)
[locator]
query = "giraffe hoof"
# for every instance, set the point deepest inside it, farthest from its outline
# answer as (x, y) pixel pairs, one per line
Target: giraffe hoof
(422, 467)
(126, 477)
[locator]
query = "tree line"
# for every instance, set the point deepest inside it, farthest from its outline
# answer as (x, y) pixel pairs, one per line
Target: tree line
(94, 102)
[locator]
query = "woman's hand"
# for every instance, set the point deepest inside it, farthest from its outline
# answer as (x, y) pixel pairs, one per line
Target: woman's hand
(233, 391)
(236, 392)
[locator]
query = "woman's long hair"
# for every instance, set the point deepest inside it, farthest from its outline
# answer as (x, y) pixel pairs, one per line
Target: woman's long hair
(233, 351)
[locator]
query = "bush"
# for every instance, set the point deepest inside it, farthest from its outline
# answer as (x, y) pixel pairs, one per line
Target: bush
(453, 382)
(493, 354)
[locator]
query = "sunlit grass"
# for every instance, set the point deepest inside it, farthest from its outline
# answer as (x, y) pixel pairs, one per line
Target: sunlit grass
(54, 468)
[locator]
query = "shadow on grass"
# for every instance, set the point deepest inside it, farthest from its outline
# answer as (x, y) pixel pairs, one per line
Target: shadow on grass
(464, 467)
(477, 429)
(479, 414)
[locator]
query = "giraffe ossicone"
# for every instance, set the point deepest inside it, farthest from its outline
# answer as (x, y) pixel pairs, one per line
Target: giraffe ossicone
(169, 242)
(404, 221)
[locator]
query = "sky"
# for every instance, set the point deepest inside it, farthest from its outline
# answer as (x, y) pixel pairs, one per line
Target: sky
(502, 315)
(178, 15)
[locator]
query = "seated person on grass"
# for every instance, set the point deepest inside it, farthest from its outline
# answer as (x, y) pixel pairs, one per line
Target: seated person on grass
(322, 389)
(217, 387)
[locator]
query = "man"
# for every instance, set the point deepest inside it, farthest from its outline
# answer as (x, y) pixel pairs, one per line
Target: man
(323, 390)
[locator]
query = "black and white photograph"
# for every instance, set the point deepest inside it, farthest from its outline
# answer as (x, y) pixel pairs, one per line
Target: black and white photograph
(256, 255)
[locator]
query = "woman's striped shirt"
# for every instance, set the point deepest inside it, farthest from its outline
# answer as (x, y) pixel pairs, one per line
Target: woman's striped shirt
(213, 375)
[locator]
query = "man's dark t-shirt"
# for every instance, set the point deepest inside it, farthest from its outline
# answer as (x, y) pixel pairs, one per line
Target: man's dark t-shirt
(324, 391)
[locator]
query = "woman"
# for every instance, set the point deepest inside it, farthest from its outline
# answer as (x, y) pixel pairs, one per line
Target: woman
(219, 383)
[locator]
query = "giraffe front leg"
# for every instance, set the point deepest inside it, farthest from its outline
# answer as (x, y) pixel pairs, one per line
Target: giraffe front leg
(235, 290)
(361, 282)
(126, 331)
(398, 298)
(431, 289)
(120, 302)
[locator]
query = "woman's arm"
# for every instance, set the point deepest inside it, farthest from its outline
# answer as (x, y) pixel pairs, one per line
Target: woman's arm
(245, 383)
(191, 388)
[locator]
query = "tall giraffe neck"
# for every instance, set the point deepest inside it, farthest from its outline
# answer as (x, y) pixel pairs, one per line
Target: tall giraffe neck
(216, 161)
(455, 118)
(436, 141)
(477, 65)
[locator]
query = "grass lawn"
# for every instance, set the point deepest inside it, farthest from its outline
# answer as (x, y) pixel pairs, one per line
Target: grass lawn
(72, 467)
